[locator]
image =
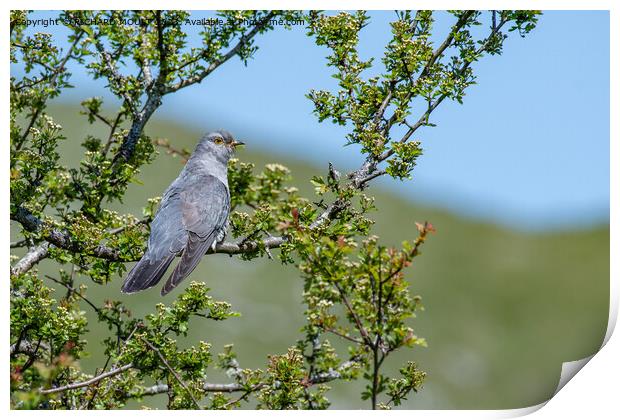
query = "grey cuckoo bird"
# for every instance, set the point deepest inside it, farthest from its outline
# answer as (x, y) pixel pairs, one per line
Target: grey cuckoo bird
(191, 218)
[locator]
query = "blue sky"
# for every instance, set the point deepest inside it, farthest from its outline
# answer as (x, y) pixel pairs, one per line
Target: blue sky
(529, 147)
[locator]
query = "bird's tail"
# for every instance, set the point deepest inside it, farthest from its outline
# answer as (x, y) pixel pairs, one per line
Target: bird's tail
(146, 273)
(192, 254)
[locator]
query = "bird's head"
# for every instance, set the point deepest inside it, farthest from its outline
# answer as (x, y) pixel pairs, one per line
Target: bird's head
(219, 144)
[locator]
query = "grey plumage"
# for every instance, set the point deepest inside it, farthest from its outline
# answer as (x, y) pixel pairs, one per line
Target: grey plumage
(191, 218)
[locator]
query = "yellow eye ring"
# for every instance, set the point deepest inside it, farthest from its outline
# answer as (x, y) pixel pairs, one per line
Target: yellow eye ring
(218, 140)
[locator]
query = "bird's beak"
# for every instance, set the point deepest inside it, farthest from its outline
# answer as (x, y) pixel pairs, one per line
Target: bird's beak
(236, 143)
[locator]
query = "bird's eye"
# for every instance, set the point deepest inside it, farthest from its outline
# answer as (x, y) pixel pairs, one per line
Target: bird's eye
(218, 140)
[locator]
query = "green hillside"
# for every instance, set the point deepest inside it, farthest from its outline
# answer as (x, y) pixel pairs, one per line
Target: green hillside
(504, 309)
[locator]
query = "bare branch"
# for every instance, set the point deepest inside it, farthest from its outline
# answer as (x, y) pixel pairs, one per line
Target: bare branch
(373, 175)
(318, 378)
(33, 256)
(184, 154)
(207, 387)
(231, 248)
(89, 382)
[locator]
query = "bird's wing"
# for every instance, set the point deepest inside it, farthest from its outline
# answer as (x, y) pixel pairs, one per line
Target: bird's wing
(167, 239)
(168, 234)
(205, 203)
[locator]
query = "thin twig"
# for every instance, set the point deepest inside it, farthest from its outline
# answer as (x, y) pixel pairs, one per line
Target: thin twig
(423, 120)
(243, 396)
(120, 229)
(345, 336)
(77, 293)
(244, 40)
(174, 373)
(113, 127)
(89, 382)
(114, 77)
(55, 72)
(353, 314)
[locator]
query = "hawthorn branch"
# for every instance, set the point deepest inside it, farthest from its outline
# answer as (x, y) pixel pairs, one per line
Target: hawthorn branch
(118, 82)
(207, 387)
(89, 382)
(55, 72)
(114, 77)
(60, 238)
(345, 336)
(146, 63)
(358, 322)
(437, 54)
(140, 117)
(318, 378)
(368, 170)
(120, 229)
(72, 290)
(242, 247)
(171, 370)
(244, 40)
(372, 162)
